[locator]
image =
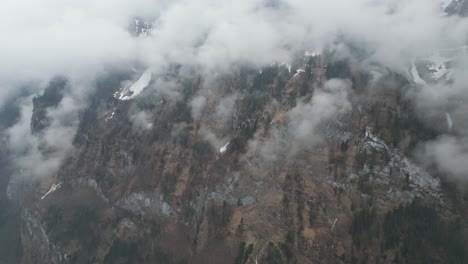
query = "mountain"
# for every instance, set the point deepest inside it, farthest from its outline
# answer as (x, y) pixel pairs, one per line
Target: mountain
(255, 171)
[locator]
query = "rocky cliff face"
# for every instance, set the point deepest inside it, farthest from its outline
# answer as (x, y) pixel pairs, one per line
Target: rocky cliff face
(247, 178)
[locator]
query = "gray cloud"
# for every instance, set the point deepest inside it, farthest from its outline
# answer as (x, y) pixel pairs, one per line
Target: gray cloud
(224, 109)
(64, 37)
(447, 102)
(80, 39)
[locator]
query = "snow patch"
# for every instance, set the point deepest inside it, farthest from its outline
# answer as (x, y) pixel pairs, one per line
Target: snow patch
(437, 66)
(135, 89)
(374, 142)
(224, 148)
(110, 116)
(52, 189)
(299, 71)
(127, 224)
(415, 74)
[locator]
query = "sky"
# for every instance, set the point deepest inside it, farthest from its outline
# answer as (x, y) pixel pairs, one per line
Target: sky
(80, 40)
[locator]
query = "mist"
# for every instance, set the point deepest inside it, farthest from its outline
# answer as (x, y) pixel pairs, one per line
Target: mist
(82, 40)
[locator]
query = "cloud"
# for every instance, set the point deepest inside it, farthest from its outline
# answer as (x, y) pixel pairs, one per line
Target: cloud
(302, 128)
(305, 118)
(78, 39)
(141, 121)
(446, 102)
(224, 110)
(43, 39)
(198, 105)
(52, 37)
(259, 33)
(449, 154)
(215, 141)
(81, 39)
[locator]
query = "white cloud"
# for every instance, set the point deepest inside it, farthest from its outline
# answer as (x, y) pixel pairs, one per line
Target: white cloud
(303, 123)
(449, 154)
(80, 39)
(198, 105)
(41, 154)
